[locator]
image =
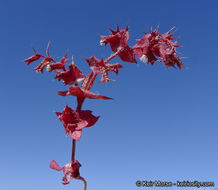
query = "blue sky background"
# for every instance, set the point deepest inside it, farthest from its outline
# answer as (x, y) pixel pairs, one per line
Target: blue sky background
(162, 123)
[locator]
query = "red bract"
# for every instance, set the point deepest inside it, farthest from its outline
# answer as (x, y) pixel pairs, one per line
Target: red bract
(71, 76)
(75, 121)
(43, 64)
(160, 45)
(143, 50)
(99, 67)
(81, 95)
(55, 66)
(114, 67)
(71, 170)
(48, 59)
(33, 58)
(119, 44)
(165, 48)
(58, 65)
(169, 57)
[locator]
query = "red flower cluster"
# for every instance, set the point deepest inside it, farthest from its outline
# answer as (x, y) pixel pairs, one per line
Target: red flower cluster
(71, 170)
(72, 76)
(33, 58)
(58, 65)
(47, 59)
(75, 121)
(150, 48)
(99, 67)
(147, 49)
(118, 41)
(160, 45)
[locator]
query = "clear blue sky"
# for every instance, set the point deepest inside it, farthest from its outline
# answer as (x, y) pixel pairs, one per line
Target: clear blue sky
(162, 123)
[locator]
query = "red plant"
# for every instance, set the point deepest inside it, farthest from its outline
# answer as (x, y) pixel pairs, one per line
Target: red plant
(150, 48)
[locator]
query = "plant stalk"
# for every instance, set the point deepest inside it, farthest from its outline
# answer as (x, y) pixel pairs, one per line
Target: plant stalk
(112, 56)
(73, 150)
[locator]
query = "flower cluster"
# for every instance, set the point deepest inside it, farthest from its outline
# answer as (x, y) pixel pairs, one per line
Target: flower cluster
(147, 49)
(75, 121)
(71, 170)
(160, 45)
(150, 48)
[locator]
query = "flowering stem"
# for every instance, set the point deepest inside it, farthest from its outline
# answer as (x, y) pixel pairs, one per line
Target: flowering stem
(73, 149)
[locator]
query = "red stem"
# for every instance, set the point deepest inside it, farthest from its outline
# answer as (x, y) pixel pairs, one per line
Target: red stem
(74, 143)
(85, 184)
(73, 150)
(112, 56)
(79, 106)
(91, 82)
